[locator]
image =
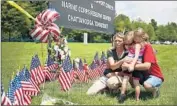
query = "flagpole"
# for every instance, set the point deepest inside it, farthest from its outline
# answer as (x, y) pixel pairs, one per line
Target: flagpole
(43, 65)
(83, 79)
(44, 77)
(49, 44)
(68, 94)
(53, 82)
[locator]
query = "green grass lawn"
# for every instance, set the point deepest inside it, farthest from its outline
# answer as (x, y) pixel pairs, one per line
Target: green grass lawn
(15, 55)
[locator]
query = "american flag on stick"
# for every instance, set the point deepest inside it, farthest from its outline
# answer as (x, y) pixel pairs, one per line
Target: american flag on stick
(96, 59)
(41, 75)
(103, 63)
(36, 70)
(15, 92)
(50, 68)
(79, 71)
(27, 86)
(95, 70)
(4, 99)
(65, 74)
(28, 76)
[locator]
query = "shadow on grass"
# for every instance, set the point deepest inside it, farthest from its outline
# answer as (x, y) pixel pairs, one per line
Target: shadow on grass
(144, 95)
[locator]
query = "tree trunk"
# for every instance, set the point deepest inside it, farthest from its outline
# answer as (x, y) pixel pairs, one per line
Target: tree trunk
(9, 36)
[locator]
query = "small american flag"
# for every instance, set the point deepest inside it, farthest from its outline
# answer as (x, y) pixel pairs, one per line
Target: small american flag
(79, 72)
(81, 65)
(67, 65)
(51, 64)
(27, 75)
(11, 91)
(48, 67)
(4, 99)
(92, 65)
(47, 74)
(85, 67)
(94, 68)
(103, 63)
(91, 73)
(36, 70)
(40, 71)
(96, 59)
(15, 92)
(27, 86)
(103, 58)
(65, 74)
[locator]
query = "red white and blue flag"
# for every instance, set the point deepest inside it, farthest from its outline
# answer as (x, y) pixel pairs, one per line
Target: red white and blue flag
(4, 99)
(65, 77)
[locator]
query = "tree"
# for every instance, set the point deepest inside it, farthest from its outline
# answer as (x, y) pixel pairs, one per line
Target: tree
(154, 24)
(162, 33)
(146, 27)
(151, 32)
(121, 23)
(14, 23)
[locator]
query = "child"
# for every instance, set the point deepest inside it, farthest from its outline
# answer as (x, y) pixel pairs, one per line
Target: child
(134, 42)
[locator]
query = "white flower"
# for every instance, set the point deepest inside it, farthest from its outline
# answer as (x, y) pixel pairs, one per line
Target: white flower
(65, 41)
(56, 47)
(62, 45)
(66, 49)
(69, 53)
(61, 52)
(62, 57)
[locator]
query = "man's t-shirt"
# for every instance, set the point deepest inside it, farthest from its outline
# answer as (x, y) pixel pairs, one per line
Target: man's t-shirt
(113, 53)
(149, 56)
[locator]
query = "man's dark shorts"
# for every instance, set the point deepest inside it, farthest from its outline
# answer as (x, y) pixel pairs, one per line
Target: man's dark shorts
(140, 75)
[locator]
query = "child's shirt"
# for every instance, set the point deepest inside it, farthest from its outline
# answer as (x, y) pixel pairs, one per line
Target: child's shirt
(131, 53)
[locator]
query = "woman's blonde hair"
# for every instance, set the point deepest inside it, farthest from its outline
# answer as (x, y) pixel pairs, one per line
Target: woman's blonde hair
(140, 33)
(119, 35)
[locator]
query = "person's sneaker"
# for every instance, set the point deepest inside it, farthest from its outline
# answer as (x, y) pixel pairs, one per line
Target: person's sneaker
(156, 93)
(122, 98)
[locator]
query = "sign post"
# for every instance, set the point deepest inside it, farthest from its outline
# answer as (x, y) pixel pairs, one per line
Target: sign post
(85, 38)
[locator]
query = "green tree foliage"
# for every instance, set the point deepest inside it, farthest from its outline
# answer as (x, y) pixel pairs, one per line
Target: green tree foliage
(121, 22)
(147, 28)
(161, 32)
(167, 32)
(15, 24)
(154, 24)
(151, 32)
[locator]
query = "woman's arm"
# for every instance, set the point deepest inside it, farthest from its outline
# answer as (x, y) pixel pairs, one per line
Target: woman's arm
(114, 65)
(140, 67)
(143, 66)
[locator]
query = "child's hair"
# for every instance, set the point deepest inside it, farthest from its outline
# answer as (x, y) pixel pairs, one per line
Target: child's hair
(146, 37)
(129, 36)
(140, 33)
